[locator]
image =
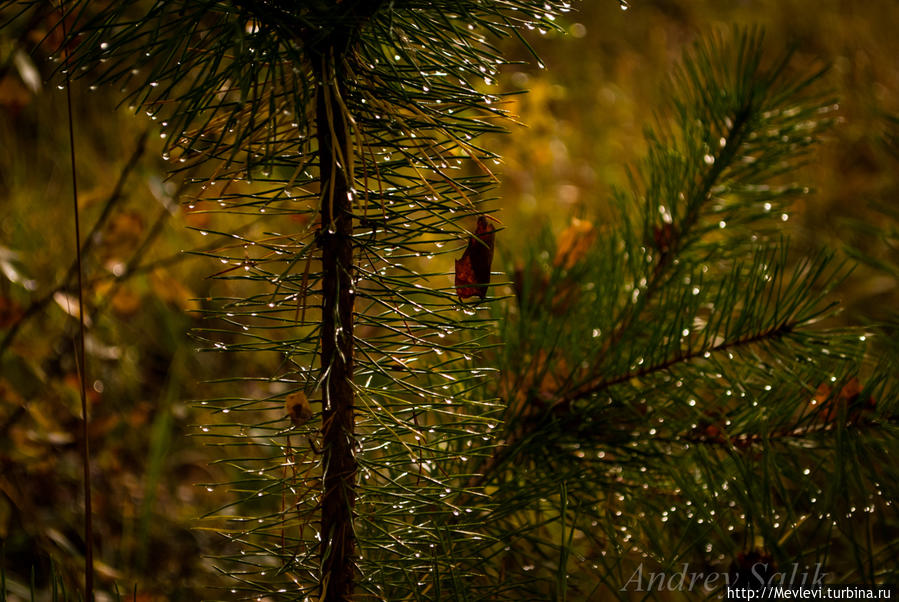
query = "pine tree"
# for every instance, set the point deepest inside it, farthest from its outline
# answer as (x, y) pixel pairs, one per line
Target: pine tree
(358, 120)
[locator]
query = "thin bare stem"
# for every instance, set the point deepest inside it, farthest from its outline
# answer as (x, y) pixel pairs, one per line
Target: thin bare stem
(81, 358)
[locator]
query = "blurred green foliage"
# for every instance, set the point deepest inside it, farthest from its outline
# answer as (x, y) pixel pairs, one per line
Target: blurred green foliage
(584, 116)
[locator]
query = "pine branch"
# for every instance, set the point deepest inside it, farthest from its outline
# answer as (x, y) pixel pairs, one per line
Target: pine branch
(668, 374)
(600, 384)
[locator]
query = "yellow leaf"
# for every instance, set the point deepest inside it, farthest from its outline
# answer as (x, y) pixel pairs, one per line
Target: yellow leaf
(123, 234)
(172, 290)
(574, 243)
(126, 302)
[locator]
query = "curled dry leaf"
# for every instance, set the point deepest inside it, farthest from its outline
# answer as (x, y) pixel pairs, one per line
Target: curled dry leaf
(473, 269)
(298, 409)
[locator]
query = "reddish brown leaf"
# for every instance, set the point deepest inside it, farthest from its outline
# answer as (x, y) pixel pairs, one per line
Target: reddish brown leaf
(473, 270)
(13, 95)
(10, 312)
(751, 568)
(849, 397)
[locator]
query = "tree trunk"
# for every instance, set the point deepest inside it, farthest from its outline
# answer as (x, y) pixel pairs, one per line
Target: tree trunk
(335, 238)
